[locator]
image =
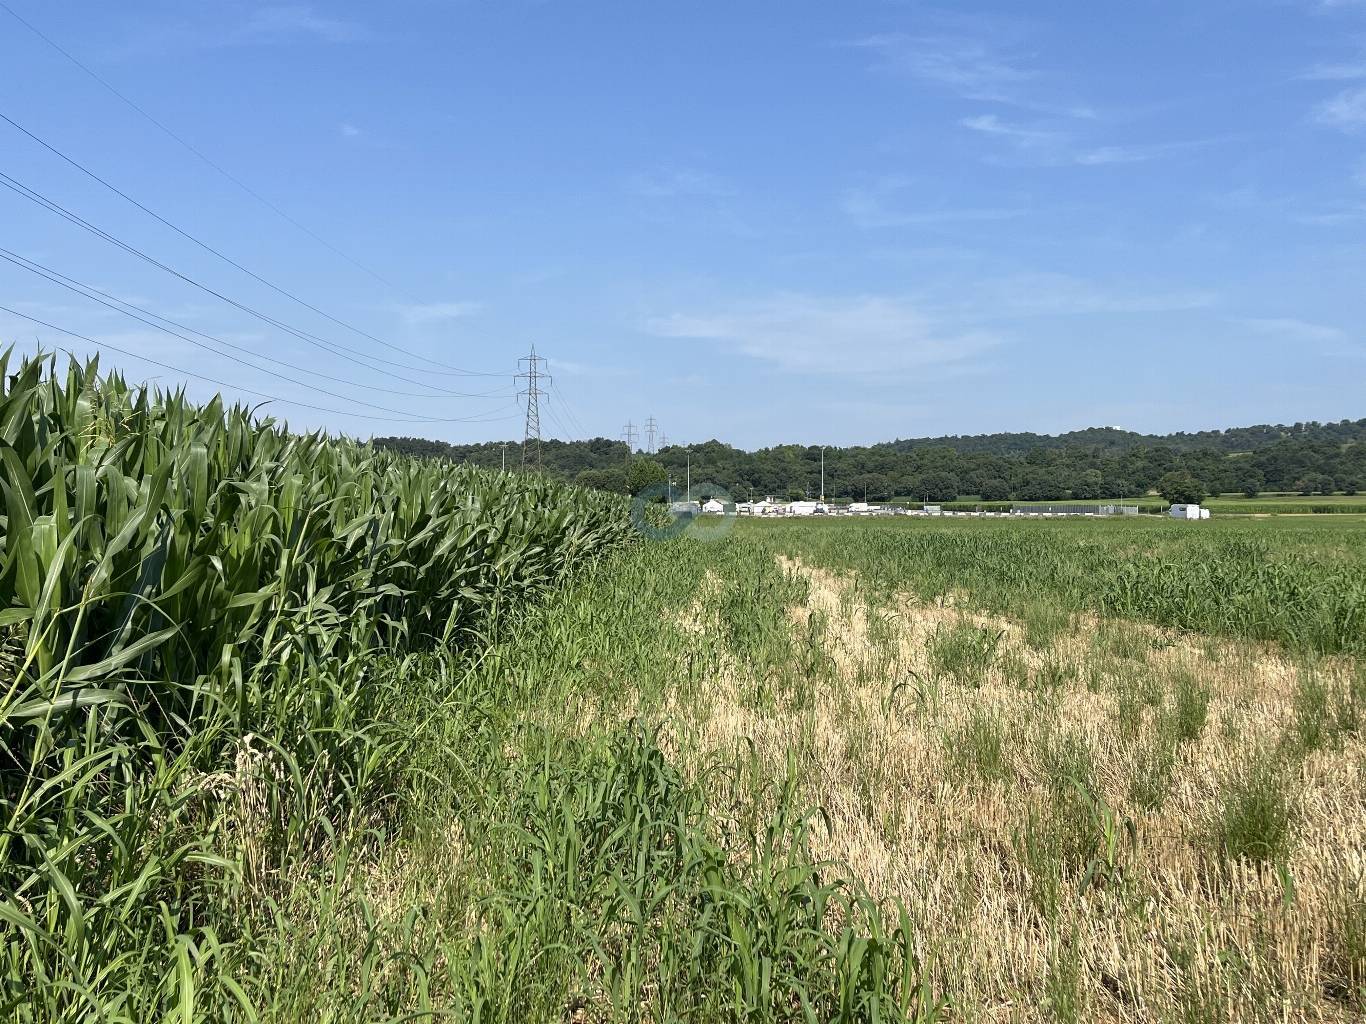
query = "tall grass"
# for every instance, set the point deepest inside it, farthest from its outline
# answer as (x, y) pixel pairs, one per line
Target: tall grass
(1302, 586)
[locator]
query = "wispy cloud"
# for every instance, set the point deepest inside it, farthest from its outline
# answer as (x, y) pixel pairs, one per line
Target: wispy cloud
(1340, 71)
(1335, 215)
(276, 24)
(966, 66)
(1291, 329)
(1346, 111)
(876, 206)
(573, 368)
(348, 130)
(990, 124)
(1139, 153)
(667, 182)
(1051, 143)
(1052, 294)
(272, 25)
(873, 337)
(1323, 339)
(435, 312)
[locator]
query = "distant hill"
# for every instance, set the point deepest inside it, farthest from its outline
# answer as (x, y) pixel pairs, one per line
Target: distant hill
(1114, 439)
(1083, 465)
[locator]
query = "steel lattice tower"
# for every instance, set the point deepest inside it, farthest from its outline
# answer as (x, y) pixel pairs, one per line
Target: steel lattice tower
(533, 377)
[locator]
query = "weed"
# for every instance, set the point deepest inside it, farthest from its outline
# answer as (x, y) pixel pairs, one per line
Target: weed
(1151, 771)
(1062, 986)
(1129, 713)
(1044, 622)
(1255, 813)
(1190, 708)
(1346, 981)
(964, 652)
(978, 748)
(1326, 710)
(1054, 673)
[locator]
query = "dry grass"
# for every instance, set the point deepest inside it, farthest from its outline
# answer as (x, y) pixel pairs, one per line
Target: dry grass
(1050, 803)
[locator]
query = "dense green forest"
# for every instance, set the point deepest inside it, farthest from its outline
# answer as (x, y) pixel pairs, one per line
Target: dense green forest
(1099, 462)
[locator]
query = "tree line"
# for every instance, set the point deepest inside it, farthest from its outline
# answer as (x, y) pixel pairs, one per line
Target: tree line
(1086, 465)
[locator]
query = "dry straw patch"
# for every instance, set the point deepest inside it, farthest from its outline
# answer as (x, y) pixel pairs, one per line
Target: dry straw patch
(1030, 807)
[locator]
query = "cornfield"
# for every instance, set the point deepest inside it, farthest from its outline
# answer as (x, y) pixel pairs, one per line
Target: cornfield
(188, 593)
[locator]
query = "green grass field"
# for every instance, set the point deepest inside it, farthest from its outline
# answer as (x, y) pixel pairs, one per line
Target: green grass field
(1292, 504)
(1225, 504)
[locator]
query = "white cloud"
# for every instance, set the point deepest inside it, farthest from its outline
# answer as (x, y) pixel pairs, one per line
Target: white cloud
(668, 182)
(272, 24)
(572, 368)
(212, 28)
(435, 312)
(871, 336)
(1323, 339)
(962, 64)
(1339, 72)
(966, 66)
(1139, 153)
(871, 207)
(1335, 216)
(990, 124)
(348, 129)
(1291, 329)
(1041, 145)
(1049, 294)
(1346, 111)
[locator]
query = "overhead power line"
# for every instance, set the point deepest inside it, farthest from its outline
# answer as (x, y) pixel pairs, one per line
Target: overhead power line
(225, 384)
(178, 139)
(452, 370)
(574, 421)
(123, 306)
(579, 430)
(331, 347)
(570, 434)
(236, 359)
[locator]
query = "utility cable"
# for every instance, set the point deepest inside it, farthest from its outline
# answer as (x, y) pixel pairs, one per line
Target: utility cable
(226, 174)
(123, 306)
(224, 384)
(225, 355)
(449, 370)
(332, 348)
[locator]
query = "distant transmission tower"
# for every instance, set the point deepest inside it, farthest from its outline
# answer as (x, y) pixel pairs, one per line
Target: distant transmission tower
(663, 441)
(535, 380)
(650, 427)
(628, 434)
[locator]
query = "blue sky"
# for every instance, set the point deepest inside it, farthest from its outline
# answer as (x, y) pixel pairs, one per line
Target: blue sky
(759, 221)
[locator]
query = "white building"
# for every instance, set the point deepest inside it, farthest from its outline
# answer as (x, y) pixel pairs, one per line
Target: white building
(714, 507)
(1188, 512)
(807, 508)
